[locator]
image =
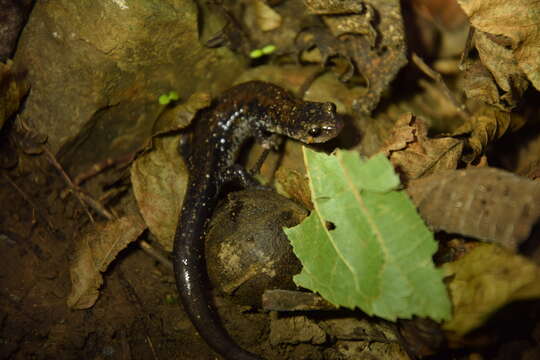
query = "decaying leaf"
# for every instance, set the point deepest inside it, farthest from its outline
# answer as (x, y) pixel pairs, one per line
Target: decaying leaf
(294, 185)
(414, 154)
(506, 37)
(484, 280)
(93, 254)
(159, 176)
(485, 203)
(354, 17)
(159, 179)
(515, 26)
(499, 60)
(486, 125)
(359, 33)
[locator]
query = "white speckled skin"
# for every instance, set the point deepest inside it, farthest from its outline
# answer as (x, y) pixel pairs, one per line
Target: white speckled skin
(253, 109)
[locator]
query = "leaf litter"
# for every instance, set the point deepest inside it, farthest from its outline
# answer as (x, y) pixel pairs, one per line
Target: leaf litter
(94, 253)
(442, 144)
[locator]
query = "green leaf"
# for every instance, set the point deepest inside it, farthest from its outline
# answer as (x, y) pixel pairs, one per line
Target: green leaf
(268, 49)
(257, 53)
(377, 253)
(173, 95)
(164, 99)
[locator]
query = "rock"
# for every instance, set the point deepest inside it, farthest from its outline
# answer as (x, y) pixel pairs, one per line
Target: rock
(97, 69)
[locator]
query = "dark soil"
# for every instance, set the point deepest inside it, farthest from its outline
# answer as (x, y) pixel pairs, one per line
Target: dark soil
(136, 315)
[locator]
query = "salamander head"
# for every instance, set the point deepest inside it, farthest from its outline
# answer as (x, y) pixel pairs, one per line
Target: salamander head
(314, 122)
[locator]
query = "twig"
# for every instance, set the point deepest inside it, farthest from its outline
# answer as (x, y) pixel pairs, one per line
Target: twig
(147, 248)
(103, 165)
(76, 190)
(96, 205)
(460, 107)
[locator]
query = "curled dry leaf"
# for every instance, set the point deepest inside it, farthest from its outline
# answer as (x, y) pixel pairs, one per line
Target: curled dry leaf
(414, 154)
(370, 36)
(486, 125)
(484, 280)
(515, 27)
(93, 254)
(499, 60)
(485, 203)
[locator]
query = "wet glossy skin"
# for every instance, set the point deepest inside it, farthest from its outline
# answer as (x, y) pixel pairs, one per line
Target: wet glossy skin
(252, 109)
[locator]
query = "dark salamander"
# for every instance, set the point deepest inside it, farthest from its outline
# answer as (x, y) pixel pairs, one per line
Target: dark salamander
(253, 109)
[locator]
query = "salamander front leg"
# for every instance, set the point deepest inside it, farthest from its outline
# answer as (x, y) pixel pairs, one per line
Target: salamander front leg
(239, 175)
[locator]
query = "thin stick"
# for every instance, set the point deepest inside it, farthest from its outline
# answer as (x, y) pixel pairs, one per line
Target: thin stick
(147, 248)
(102, 166)
(76, 190)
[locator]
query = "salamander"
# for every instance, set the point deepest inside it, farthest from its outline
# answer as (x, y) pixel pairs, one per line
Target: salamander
(253, 109)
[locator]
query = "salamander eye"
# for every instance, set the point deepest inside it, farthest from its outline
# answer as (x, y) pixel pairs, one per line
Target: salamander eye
(330, 108)
(314, 131)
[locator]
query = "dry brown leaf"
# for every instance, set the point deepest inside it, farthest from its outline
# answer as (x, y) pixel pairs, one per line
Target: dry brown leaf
(517, 25)
(358, 33)
(480, 85)
(486, 125)
(486, 279)
(485, 203)
(414, 154)
(294, 185)
(499, 60)
(93, 254)
(159, 179)
(159, 176)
